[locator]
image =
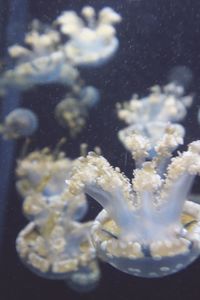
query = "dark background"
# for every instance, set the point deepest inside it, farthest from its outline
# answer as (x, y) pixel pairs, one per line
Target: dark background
(155, 36)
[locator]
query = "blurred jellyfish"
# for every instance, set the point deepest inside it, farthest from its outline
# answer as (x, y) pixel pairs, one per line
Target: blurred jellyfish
(149, 116)
(20, 122)
(72, 112)
(181, 76)
(91, 41)
(89, 95)
(36, 206)
(50, 54)
(55, 248)
(43, 171)
(41, 62)
(147, 228)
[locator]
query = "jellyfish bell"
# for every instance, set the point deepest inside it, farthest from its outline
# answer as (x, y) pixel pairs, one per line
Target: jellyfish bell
(91, 51)
(53, 251)
(20, 122)
(157, 259)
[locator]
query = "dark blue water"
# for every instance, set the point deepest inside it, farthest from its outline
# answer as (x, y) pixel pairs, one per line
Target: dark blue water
(155, 36)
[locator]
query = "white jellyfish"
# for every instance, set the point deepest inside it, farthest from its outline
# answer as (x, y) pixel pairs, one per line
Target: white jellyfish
(51, 52)
(147, 228)
(42, 171)
(150, 116)
(91, 41)
(42, 61)
(54, 246)
(20, 122)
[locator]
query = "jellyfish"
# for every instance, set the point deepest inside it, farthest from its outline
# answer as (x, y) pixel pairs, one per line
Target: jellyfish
(150, 116)
(20, 122)
(55, 248)
(51, 52)
(147, 227)
(92, 40)
(36, 206)
(89, 96)
(73, 110)
(41, 62)
(43, 170)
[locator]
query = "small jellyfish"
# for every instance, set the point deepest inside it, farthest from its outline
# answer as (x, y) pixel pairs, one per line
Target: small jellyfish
(90, 96)
(72, 112)
(147, 228)
(41, 61)
(55, 248)
(20, 122)
(40, 181)
(92, 40)
(42, 171)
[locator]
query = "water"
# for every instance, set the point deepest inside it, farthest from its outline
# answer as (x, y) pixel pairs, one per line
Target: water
(156, 43)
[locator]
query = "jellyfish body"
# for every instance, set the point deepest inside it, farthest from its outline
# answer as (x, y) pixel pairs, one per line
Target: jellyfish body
(150, 116)
(54, 250)
(42, 171)
(41, 62)
(89, 95)
(151, 260)
(51, 54)
(38, 207)
(54, 245)
(71, 113)
(147, 227)
(20, 122)
(73, 110)
(93, 43)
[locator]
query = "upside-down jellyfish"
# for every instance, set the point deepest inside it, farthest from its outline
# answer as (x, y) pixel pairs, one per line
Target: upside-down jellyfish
(42, 171)
(147, 227)
(41, 62)
(55, 248)
(150, 116)
(41, 183)
(91, 41)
